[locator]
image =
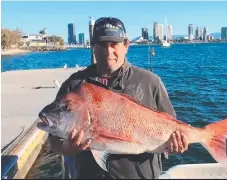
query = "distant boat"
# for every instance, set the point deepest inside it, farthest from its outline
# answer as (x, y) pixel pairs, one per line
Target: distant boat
(165, 43)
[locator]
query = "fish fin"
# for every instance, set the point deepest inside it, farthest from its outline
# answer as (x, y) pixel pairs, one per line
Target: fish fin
(137, 102)
(129, 97)
(100, 158)
(114, 136)
(217, 144)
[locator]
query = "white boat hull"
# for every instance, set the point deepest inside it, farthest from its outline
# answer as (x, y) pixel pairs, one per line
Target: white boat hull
(165, 44)
(196, 171)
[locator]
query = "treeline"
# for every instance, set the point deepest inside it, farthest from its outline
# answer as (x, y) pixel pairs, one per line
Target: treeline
(11, 38)
(55, 39)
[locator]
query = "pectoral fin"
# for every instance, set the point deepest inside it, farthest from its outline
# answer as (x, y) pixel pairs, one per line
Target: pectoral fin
(105, 136)
(100, 158)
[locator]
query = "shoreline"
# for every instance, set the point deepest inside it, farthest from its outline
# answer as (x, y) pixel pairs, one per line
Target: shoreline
(183, 43)
(10, 52)
(17, 51)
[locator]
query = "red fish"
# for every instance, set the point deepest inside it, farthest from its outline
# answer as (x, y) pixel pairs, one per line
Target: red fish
(117, 124)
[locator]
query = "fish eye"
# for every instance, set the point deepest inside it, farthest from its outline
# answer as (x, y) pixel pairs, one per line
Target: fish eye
(65, 107)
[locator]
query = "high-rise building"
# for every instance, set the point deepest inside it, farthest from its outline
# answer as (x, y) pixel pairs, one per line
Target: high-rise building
(205, 33)
(169, 32)
(190, 32)
(209, 37)
(81, 38)
(160, 32)
(198, 34)
(224, 33)
(145, 33)
(155, 31)
(197, 31)
(71, 34)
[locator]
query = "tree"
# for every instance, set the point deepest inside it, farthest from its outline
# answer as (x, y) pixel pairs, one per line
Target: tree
(43, 31)
(16, 36)
(9, 38)
(56, 39)
(5, 38)
(61, 41)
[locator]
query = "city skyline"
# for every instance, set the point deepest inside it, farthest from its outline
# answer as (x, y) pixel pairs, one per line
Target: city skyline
(135, 15)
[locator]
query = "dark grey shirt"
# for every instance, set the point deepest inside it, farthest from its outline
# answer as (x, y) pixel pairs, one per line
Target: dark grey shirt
(148, 89)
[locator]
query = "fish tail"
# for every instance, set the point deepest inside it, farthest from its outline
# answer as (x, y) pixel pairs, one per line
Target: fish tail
(216, 144)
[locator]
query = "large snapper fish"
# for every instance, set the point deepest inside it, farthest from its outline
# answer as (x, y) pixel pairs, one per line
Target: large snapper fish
(117, 124)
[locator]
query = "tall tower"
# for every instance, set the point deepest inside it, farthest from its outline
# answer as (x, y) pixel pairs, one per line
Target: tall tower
(160, 32)
(91, 28)
(155, 31)
(190, 32)
(81, 38)
(71, 34)
(205, 33)
(169, 32)
(145, 33)
(197, 33)
(224, 33)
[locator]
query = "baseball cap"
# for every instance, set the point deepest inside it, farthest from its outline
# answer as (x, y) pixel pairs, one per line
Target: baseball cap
(108, 29)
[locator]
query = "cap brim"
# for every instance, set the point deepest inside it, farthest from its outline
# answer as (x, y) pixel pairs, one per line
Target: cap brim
(108, 38)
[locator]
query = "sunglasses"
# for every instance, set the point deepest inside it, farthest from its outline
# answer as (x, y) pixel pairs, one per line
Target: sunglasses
(113, 21)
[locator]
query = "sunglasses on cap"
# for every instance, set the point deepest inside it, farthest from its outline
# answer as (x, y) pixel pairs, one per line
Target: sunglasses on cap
(113, 21)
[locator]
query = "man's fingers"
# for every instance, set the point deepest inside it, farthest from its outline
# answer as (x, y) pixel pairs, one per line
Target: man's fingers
(77, 140)
(170, 147)
(179, 141)
(184, 142)
(71, 136)
(85, 145)
(175, 144)
(170, 144)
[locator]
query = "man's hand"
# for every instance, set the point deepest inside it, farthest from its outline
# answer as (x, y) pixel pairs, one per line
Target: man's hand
(178, 143)
(73, 145)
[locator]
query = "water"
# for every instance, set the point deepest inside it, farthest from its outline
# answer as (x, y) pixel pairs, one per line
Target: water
(195, 77)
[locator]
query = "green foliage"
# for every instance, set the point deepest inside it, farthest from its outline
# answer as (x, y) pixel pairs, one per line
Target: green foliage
(42, 31)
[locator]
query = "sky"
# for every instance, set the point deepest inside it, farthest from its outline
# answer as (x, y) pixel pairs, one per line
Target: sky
(32, 16)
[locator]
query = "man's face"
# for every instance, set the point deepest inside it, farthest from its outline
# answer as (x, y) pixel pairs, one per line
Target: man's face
(110, 55)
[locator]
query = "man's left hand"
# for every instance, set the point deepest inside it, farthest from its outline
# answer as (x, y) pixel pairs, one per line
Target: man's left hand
(178, 143)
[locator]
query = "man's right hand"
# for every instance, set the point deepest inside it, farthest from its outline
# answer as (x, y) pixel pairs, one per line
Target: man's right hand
(72, 145)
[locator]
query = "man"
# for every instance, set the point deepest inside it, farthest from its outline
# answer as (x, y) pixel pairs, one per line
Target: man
(113, 69)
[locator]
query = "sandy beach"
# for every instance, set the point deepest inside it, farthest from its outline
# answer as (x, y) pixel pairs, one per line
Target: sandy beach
(13, 52)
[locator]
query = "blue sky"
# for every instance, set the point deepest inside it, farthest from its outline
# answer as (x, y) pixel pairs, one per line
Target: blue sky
(31, 16)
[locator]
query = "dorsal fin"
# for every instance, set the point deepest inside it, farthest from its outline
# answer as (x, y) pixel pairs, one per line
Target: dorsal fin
(92, 81)
(129, 97)
(137, 102)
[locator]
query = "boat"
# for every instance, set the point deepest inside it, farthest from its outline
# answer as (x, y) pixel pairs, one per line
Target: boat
(196, 171)
(165, 43)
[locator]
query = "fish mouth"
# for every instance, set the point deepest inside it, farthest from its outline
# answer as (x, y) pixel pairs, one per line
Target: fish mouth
(43, 118)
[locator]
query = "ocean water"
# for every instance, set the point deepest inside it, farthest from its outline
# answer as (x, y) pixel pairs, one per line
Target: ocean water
(195, 76)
